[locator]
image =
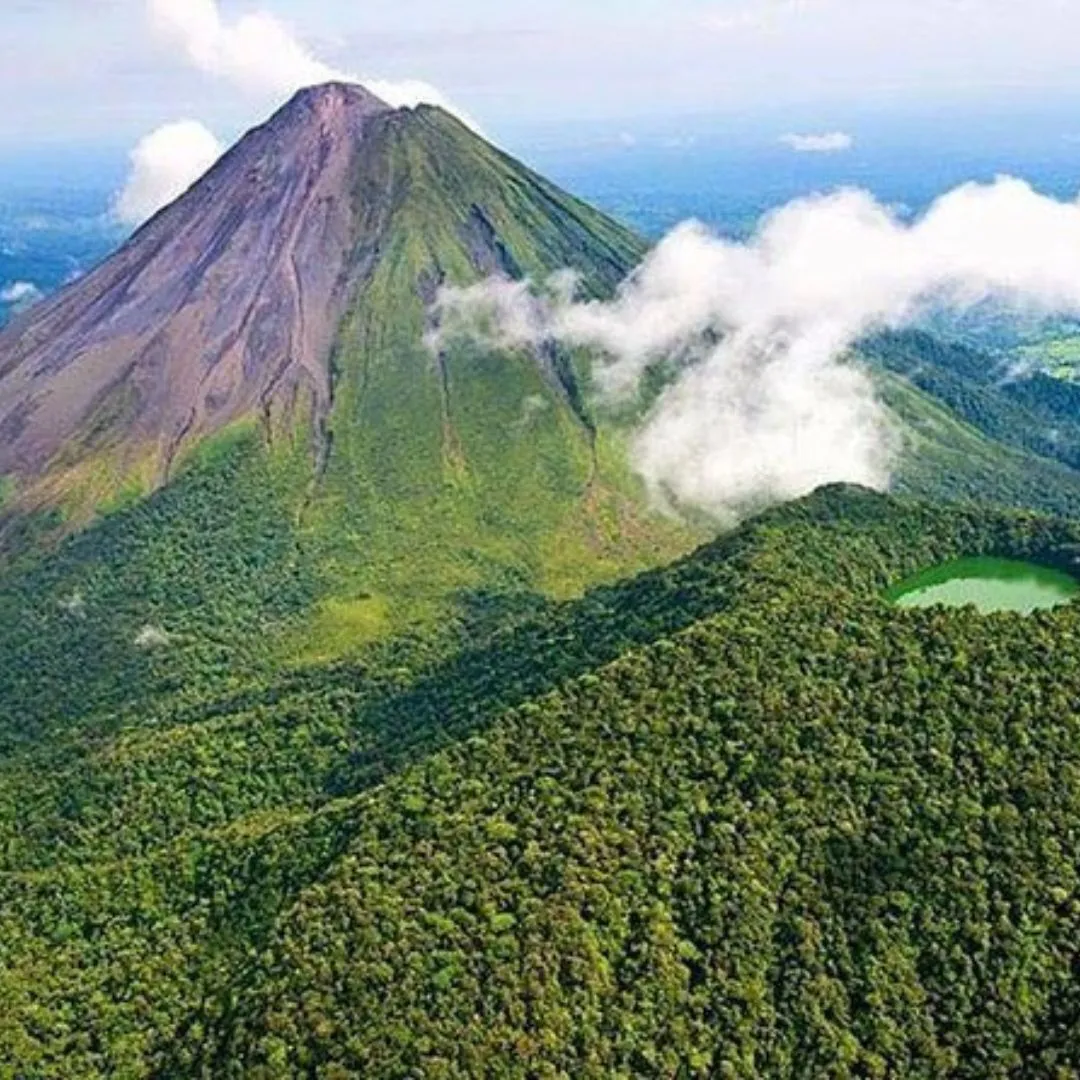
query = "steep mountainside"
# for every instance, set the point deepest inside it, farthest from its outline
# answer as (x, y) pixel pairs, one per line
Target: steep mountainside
(272, 323)
(226, 304)
(738, 817)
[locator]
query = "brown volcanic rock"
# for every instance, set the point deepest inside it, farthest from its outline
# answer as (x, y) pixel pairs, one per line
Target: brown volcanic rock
(255, 264)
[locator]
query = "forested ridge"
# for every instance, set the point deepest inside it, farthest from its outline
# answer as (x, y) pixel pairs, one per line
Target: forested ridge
(1031, 420)
(736, 817)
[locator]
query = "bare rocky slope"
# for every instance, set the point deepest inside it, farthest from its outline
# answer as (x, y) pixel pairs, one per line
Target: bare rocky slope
(228, 301)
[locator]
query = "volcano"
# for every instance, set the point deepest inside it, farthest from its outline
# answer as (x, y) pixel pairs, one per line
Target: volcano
(229, 302)
(286, 297)
(324, 754)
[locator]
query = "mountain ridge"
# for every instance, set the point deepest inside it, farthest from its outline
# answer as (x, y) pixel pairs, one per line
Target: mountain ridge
(735, 817)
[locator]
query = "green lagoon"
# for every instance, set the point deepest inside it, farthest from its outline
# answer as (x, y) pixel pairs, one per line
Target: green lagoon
(990, 584)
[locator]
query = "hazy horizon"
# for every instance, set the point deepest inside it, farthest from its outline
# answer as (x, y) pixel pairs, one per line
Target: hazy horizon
(105, 68)
(633, 143)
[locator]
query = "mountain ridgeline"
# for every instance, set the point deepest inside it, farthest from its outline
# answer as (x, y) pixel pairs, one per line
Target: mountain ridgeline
(737, 817)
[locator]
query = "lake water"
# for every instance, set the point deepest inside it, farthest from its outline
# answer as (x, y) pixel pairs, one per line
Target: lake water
(990, 584)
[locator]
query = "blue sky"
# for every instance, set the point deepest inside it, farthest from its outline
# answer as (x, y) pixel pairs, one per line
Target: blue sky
(93, 70)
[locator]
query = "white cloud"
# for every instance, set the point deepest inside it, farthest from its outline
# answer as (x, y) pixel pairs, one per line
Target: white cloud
(163, 166)
(259, 55)
(256, 52)
(759, 15)
(831, 142)
(765, 403)
(20, 294)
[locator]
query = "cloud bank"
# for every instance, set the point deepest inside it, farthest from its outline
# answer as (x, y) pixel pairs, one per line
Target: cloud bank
(20, 294)
(163, 166)
(258, 56)
(831, 142)
(765, 403)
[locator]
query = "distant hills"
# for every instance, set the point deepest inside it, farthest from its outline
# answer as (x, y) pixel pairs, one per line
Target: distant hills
(973, 430)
